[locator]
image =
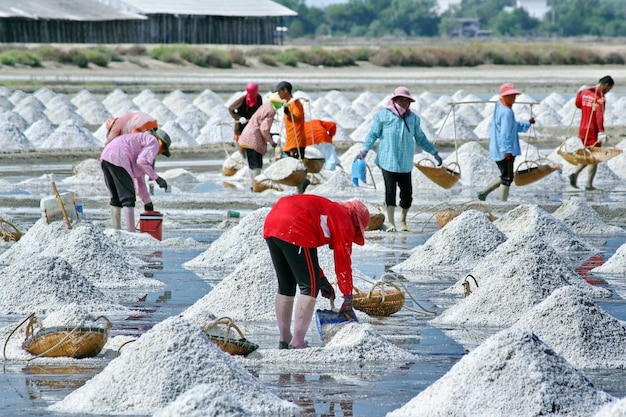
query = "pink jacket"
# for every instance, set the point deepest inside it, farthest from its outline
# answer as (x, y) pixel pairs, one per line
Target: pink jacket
(135, 153)
(256, 135)
(129, 123)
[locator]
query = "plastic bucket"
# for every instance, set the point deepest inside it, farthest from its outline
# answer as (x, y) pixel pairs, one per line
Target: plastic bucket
(151, 222)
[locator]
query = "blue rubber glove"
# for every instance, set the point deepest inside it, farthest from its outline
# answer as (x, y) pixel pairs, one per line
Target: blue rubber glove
(438, 159)
(360, 156)
(347, 310)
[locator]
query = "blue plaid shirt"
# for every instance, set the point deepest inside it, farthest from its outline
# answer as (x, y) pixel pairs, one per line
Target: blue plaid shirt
(396, 145)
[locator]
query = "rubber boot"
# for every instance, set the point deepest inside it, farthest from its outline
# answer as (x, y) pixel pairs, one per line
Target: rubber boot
(504, 192)
(253, 173)
(305, 306)
(403, 225)
(482, 196)
(303, 185)
(116, 217)
(283, 305)
(129, 218)
(391, 213)
(574, 177)
(591, 174)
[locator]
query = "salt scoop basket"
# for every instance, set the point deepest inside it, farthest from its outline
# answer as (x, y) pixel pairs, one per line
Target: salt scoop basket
(528, 172)
(588, 155)
(219, 332)
(444, 177)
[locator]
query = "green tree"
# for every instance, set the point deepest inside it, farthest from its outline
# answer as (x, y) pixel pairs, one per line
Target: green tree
(515, 23)
(413, 17)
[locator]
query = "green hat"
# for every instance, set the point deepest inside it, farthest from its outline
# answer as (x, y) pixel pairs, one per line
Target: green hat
(165, 138)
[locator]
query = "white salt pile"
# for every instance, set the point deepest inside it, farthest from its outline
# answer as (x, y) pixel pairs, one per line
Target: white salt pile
(93, 112)
(58, 115)
(70, 134)
(582, 219)
(517, 275)
(241, 242)
(459, 245)
(180, 138)
(353, 343)
(87, 172)
(40, 284)
(192, 120)
(12, 138)
(39, 131)
(339, 183)
(614, 409)
(576, 328)
(531, 217)
(234, 161)
(283, 168)
(477, 168)
(14, 118)
(207, 101)
(617, 164)
(32, 114)
(205, 400)
(177, 101)
(170, 358)
(616, 264)
(512, 373)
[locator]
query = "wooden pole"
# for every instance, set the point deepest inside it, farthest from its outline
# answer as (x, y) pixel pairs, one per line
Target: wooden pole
(56, 192)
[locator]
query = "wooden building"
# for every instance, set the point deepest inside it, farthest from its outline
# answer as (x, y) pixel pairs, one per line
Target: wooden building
(141, 21)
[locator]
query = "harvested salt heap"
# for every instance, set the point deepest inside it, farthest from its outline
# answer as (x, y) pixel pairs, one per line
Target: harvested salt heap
(616, 264)
(459, 245)
(282, 168)
(70, 134)
(204, 400)
(339, 184)
(40, 284)
(12, 138)
(170, 358)
(531, 217)
(243, 241)
(517, 275)
(86, 248)
(477, 169)
(577, 329)
(353, 342)
(579, 216)
(615, 409)
(513, 373)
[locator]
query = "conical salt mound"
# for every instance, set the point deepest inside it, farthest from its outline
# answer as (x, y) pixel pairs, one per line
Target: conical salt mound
(242, 241)
(531, 217)
(513, 373)
(576, 328)
(516, 276)
(616, 264)
(460, 245)
(615, 409)
(205, 400)
(170, 358)
(579, 216)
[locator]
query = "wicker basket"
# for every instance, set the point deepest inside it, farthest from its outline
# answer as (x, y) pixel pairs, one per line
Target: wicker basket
(444, 177)
(229, 171)
(313, 166)
(260, 186)
(9, 232)
(376, 222)
(229, 345)
(445, 215)
(293, 179)
(379, 302)
(66, 341)
(530, 171)
(588, 155)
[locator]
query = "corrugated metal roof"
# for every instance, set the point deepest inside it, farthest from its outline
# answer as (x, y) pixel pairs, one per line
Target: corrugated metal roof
(236, 8)
(88, 10)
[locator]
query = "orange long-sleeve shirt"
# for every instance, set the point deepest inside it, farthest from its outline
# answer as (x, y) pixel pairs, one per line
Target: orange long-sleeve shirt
(294, 126)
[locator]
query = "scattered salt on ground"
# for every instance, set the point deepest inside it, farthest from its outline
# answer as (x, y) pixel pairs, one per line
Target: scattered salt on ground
(353, 343)
(86, 248)
(615, 409)
(70, 134)
(12, 138)
(512, 373)
(241, 242)
(282, 168)
(171, 358)
(459, 245)
(531, 217)
(577, 329)
(616, 264)
(517, 275)
(40, 284)
(204, 400)
(579, 216)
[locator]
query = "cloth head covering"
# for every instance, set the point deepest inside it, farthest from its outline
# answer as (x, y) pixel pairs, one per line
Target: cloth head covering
(165, 138)
(360, 219)
(252, 94)
(508, 89)
(391, 104)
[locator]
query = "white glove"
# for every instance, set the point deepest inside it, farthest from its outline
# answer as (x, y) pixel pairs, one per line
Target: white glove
(602, 138)
(243, 120)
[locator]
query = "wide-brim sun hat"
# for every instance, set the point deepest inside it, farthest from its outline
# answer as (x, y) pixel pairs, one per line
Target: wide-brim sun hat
(165, 138)
(508, 89)
(402, 92)
(360, 218)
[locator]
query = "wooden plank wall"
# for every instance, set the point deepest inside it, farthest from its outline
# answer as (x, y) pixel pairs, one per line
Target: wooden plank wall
(160, 29)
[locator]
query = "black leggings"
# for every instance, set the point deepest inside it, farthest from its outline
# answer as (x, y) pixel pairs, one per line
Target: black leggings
(120, 185)
(506, 171)
(401, 180)
(255, 159)
(295, 265)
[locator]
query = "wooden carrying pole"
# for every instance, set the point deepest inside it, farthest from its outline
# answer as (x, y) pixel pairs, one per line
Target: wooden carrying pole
(56, 192)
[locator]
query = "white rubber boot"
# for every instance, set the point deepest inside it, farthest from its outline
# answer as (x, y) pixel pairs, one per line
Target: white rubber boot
(391, 215)
(116, 217)
(283, 305)
(504, 192)
(129, 218)
(254, 173)
(482, 196)
(305, 306)
(403, 225)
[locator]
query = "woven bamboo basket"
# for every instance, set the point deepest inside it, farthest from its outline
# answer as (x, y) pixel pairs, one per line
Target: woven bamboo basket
(66, 341)
(589, 155)
(379, 301)
(530, 171)
(444, 177)
(262, 185)
(313, 166)
(376, 222)
(232, 346)
(229, 171)
(293, 179)
(8, 231)
(444, 216)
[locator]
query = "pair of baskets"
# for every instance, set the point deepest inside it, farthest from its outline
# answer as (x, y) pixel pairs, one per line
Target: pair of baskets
(219, 332)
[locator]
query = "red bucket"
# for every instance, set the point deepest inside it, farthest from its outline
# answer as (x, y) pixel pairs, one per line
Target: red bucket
(151, 222)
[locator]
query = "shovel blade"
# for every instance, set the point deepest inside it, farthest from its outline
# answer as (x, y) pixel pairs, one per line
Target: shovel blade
(328, 323)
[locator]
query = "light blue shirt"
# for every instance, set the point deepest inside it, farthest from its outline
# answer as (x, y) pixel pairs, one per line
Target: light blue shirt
(504, 133)
(396, 145)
